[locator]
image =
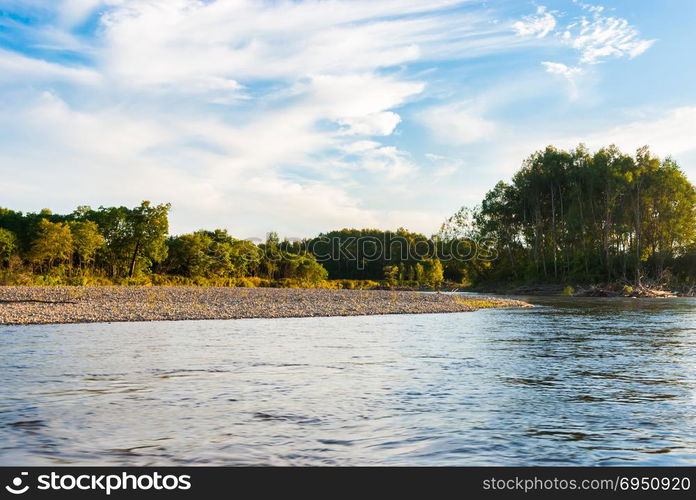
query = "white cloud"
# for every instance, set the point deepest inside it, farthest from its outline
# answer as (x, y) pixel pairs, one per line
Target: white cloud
(561, 69)
(444, 166)
(538, 25)
(243, 109)
(381, 123)
(359, 146)
(359, 102)
(14, 66)
(389, 160)
(73, 12)
(252, 115)
(569, 73)
(601, 37)
(457, 123)
(155, 42)
(596, 38)
(667, 133)
(434, 157)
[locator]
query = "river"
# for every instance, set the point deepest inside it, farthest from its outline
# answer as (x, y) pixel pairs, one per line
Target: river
(570, 382)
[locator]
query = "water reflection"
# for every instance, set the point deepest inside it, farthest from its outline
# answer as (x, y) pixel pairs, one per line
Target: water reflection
(589, 381)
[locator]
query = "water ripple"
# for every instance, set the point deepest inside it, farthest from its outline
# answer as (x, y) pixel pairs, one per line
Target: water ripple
(572, 382)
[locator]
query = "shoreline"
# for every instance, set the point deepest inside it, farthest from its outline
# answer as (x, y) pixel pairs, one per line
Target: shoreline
(60, 305)
(612, 290)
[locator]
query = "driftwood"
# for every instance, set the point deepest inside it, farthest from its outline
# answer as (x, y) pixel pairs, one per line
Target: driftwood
(22, 301)
(626, 291)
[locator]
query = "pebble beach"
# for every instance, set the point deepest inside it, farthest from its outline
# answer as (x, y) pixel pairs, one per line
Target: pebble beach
(44, 305)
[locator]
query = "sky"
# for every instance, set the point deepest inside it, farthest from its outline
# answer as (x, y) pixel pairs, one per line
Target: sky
(306, 116)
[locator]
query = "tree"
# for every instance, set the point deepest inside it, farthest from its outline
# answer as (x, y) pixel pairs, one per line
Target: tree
(53, 243)
(419, 272)
(188, 255)
(391, 275)
(433, 274)
(112, 221)
(309, 270)
(147, 229)
(8, 245)
(572, 215)
(87, 240)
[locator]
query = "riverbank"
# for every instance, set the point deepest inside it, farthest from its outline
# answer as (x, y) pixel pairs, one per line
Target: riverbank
(618, 289)
(41, 305)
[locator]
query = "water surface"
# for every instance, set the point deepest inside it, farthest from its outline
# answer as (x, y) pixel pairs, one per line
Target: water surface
(571, 382)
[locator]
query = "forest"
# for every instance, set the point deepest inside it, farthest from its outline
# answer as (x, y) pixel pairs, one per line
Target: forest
(576, 216)
(565, 217)
(131, 246)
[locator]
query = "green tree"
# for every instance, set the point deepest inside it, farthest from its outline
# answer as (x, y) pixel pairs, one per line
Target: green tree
(433, 274)
(188, 255)
(419, 273)
(53, 243)
(8, 245)
(573, 215)
(146, 229)
(391, 275)
(87, 240)
(309, 270)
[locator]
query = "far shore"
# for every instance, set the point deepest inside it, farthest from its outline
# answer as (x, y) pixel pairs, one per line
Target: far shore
(45, 305)
(611, 290)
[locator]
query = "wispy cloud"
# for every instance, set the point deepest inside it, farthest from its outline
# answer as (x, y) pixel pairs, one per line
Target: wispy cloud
(569, 73)
(601, 37)
(666, 132)
(561, 69)
(539, 25)
(457, 123)
(230, 98)
(14, 67)
(301, 115)
(594, 36)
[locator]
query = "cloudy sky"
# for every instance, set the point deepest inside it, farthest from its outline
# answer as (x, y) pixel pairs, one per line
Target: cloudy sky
(306, 116)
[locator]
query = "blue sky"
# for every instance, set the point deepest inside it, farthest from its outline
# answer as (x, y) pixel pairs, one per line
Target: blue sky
(307, 116)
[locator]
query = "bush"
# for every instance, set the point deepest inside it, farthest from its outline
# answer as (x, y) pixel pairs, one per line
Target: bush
(60, 277)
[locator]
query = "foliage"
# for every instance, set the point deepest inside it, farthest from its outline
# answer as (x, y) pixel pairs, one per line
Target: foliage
(565, 217)
(8, 245)
(87, 240)
(577, 216)
(53, 244)
(365, 253)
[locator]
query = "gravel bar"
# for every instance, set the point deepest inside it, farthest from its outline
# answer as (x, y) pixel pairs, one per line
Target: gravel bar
(41, 305)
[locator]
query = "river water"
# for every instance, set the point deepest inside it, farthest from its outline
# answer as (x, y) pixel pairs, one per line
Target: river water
(570, 382)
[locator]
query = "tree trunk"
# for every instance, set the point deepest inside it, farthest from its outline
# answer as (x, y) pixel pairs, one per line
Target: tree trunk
(553, 231)
(134, 259)
(638, 228)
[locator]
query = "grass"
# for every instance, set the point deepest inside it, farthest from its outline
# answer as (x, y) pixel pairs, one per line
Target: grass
(480, 303)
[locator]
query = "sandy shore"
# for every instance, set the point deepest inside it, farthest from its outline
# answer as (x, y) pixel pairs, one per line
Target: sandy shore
(37, 305)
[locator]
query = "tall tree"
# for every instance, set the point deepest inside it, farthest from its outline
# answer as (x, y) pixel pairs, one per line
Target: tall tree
(8, 245)
(146, 228)
(581, 216)
(87, 240)
(53, 243)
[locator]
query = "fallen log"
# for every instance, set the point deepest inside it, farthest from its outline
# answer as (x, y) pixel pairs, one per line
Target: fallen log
(22, 301)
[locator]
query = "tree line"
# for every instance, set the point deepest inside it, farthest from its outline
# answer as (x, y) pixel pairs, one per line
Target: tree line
(586, 217)
(118, 243)
(132, 245)
(566, 216)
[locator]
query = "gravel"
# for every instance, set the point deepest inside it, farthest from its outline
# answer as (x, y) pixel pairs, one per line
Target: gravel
(40, 305)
